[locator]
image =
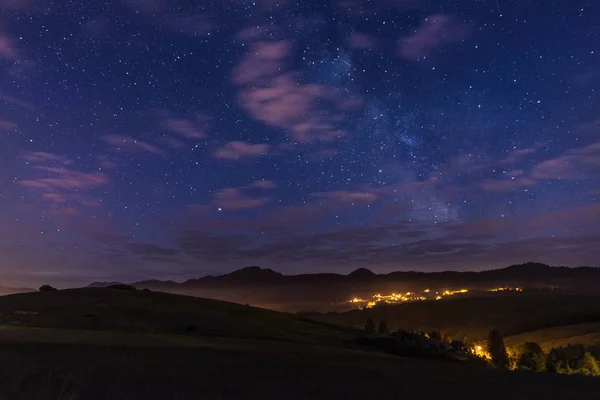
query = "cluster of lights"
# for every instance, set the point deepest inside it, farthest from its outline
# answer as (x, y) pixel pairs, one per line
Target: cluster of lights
(405, 297)
(506, 289)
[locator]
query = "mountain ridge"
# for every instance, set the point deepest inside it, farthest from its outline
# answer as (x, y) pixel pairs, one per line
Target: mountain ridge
(526, 272)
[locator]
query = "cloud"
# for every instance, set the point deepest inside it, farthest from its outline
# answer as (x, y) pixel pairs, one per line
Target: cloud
(17, 5)
(105, 162)
(300, 109)
(65, 188)
(148, 249)
(159, 14)
(307, 112)
(42, 157)
(504, 185)
(263, 184)
(362, 41)
(241, 150)
(235, 199)
(148, 6)
(190, 24)
(130, 144)
(183, 127)
(65, 179)
(15, 101)
(6, 125)
(261, 63)
(435, 32)
(578, 164)
(348, 196)
(517, 155)
(8, 49)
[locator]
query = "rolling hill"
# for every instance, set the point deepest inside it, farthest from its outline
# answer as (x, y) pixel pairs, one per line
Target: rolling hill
(587, 334)
(327, 291)
(98, 343)
(473, 317)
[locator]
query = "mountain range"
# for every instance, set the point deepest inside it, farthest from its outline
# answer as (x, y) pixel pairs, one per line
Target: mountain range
(269, 288)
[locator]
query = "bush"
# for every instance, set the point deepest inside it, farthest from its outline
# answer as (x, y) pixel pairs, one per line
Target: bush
(47, 288)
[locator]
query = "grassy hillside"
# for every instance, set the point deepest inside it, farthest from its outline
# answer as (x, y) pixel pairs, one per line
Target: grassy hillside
(472, 318)
(587, 334)
(153, 312)
(288, 371)
(105, 343)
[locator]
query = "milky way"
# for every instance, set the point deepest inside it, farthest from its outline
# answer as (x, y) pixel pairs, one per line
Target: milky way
(173, 139)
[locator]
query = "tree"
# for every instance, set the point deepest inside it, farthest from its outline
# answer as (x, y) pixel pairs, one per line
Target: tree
(370, 326)
(589, 366)
(566, 360)
(47, 288)
(383, 329)
(497, 350)
(532, 357)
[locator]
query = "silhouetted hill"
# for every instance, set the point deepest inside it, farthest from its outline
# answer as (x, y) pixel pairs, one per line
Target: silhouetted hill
(271, 289)
(532, 273)
(362, 273)
(12, 290)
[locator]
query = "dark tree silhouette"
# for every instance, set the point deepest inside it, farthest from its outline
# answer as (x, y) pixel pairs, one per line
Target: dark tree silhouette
(532, 357)
(497, 350)
(370, 326)
(47, 288)
(383, 329)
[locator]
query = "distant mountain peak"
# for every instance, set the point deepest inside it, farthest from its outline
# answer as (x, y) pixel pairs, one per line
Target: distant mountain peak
(362, 273)
(253, 273)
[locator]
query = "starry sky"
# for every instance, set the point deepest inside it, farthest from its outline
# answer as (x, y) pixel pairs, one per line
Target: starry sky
(172, 139)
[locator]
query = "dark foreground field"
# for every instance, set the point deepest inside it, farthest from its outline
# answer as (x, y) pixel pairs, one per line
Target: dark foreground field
(50, 371)
(139, 348)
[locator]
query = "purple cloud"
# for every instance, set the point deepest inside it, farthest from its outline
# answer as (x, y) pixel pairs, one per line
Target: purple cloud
(434, 32)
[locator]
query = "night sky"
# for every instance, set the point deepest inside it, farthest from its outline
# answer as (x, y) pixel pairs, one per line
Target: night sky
(172, 139)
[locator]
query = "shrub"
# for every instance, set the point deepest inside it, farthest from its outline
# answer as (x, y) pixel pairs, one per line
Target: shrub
(47, 288)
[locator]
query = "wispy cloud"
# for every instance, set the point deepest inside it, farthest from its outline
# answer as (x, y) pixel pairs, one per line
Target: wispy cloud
(235, 199)
(130, 144)
(6, 125)
(578, 164)
(42, 157)
(241, 151)
(263, 184)
(184, 128)
(15, 101)
(158, 13)
(269, 93)
(434, 32)
(65, 179)
(518, 155)
(16, 5)
(348, 196)
(504, 185)
(362, 41)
